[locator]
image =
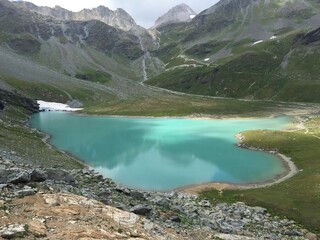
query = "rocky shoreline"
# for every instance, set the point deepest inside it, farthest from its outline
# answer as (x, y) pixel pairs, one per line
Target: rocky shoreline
(166, 215)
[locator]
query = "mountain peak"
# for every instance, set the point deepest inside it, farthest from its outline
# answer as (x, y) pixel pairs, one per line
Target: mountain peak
(179, 13)
(118, 18)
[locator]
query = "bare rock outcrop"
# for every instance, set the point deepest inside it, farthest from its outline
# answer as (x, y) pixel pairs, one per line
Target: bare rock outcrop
(177, 14)
(118, 18)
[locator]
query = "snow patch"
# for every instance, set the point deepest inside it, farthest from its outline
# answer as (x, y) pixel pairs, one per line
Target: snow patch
(53, 106)
(192, 16)
(257, 42)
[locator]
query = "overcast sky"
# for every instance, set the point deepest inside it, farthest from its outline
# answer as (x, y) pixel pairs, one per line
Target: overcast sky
(144, 12)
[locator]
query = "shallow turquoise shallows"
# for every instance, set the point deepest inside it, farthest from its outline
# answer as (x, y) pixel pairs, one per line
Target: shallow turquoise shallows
(162, 153)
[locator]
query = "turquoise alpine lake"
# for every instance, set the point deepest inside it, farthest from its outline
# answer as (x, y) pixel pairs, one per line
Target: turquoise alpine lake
(163, 153)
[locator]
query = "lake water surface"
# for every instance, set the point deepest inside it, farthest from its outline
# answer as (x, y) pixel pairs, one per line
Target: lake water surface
(162, 153)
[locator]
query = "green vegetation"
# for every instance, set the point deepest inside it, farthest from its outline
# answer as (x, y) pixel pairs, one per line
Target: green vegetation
(206, 49)
(24, 44)
(178, 61)
(48, 92)
(63, 39)
(269, 70)
(187, 106)
(297, 198)
(37, 90)
(94, 76)
(168, 52)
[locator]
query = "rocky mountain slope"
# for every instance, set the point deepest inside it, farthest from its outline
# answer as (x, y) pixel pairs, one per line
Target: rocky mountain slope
(118, 18)
(239, 49)
(245, 49)
(177, 14)
(8, 98)
(89, 60)
(56, 204)
(28, 31)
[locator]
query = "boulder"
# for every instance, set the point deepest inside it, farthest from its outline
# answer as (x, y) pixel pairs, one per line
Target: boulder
(74, 103)
(26, 192)
(137, 195)
(293, 233)
(60, 175)
(19, 177)
(175, 219)
(311, 236)
(104, 196)
(12, 231)
(141, 209)
(38, 175)
(1, 106)
(3, 176)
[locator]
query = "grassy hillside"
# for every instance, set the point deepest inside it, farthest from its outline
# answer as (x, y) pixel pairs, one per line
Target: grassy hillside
(245, 49)
(282, 69)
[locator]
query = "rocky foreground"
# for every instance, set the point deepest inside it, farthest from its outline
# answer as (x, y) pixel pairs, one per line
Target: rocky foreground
(81, 204)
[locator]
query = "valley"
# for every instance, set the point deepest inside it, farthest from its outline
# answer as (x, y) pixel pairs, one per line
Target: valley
(237, 59)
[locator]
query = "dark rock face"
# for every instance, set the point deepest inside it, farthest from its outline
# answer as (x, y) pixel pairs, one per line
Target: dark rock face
(311, 37)
(110, 39)
(27, 45)
(25, 29)
(16, 100)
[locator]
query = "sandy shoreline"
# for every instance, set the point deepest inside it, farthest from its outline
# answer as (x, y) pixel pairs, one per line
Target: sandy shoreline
(190, 117)
(290, 112)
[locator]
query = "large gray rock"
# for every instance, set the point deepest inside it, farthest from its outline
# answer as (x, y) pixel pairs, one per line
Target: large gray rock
(141, 209)
(12, 231)
(3, 176)
(137, 195)
(60, 175)
(175, 219)
(75, 104)
(19, 177)
(38, 175)
(26, 192)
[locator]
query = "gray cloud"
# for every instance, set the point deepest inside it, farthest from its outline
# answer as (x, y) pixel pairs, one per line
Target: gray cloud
(145, 12)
